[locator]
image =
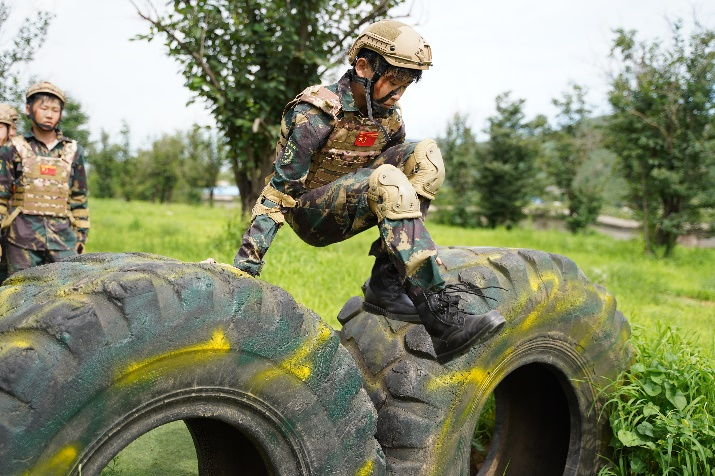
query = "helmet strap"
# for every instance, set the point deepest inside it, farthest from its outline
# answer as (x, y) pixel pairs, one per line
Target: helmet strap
(371, 104)
(42, 127)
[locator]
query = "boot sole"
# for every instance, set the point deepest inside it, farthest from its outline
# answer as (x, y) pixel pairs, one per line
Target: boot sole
(497, 324)
(373, 309)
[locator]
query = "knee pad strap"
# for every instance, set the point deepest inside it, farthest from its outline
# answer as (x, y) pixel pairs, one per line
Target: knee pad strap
(391, 195)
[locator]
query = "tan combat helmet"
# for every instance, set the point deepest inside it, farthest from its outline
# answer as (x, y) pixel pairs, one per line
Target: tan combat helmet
(8, 115)
(397, 42)
(45, 87)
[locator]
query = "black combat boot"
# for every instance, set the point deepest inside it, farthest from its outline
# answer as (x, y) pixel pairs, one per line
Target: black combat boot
(454, 330)
(386, 296)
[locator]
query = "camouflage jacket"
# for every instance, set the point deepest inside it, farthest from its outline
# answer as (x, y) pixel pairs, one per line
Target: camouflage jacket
(306, 129)
(36, 232)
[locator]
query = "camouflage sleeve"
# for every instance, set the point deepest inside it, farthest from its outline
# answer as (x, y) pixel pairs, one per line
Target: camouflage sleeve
(7, 178)
(78, 196)
(307, 130)
(255, 244)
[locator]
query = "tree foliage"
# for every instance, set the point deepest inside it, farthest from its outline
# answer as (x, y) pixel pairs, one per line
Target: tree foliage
(507, 173)
(162, 165)
(570, 159)
(248, 59)
(458, 198)
(126, 172)
(175, 168)
(663, 129)
(205, 157)
(104, 167)
(23, 46)
(75, 122)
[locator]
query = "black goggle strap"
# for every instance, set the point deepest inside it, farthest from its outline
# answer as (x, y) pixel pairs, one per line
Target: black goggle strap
(388, 95)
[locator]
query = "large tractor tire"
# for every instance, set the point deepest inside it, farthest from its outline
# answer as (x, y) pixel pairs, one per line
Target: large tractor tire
(563, 337)
(98, 350)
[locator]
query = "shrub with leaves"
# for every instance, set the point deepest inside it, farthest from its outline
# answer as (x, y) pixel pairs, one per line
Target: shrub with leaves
(661, 409)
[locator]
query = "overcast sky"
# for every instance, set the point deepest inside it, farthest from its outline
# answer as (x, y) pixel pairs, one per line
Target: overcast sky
(533, 48)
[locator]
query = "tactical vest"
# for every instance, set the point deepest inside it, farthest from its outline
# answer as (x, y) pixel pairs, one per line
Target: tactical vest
(44, 185)
(353, 143)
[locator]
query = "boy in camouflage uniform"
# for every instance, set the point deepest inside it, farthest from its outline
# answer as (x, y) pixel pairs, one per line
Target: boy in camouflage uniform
(8, 130)
(43, 187)
(343, 166)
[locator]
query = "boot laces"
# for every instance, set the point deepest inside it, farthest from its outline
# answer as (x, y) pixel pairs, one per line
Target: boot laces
(449, 297)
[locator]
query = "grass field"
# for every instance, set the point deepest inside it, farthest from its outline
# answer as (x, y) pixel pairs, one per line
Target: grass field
(679, 290)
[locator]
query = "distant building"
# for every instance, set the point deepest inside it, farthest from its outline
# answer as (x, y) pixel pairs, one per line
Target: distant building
(222, 192)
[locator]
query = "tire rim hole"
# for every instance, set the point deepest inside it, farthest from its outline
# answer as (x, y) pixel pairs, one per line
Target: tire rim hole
(534, 421)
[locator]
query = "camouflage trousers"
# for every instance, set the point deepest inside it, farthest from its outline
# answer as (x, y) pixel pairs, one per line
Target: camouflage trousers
(340, 210)
(18, 258)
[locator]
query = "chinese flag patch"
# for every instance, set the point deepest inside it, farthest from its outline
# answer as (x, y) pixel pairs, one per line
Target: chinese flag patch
(48, 170)
(366, 139)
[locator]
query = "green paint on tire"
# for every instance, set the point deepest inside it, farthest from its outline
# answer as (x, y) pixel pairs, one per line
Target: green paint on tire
(98, 350)
(563, 335)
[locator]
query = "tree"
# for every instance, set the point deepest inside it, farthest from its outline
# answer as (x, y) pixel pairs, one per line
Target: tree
(570, 161)
(103, 167)
(26, 41)
(127, 165)
(459, 197)
(508, 169)
(248, 59)
(74, 122)
(663, 129)
(162, 165)
(204, 159)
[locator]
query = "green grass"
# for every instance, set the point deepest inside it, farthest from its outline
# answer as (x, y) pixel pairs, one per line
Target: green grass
(167, 450)
(660, 409)
(679, 290)
(676, 291)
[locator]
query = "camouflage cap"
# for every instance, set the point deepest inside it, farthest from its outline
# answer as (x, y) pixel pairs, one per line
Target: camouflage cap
(8, 114)
(397, 42)
(45, 87)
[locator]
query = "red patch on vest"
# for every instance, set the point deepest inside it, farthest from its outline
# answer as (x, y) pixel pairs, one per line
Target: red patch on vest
(366, 139)
(48, 170)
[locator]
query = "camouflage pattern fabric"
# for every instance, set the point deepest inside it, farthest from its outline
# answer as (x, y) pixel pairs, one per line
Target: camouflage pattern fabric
(354, 141)
(339, 210)
(305, 129)
(21, 258)
(44, 233)
(3, 266)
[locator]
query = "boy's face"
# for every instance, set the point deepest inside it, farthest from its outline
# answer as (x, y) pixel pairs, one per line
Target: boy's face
(4, 133)
(46, 113)
(388, 89)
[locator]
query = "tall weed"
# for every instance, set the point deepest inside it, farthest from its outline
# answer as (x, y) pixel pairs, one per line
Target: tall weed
(661, 409)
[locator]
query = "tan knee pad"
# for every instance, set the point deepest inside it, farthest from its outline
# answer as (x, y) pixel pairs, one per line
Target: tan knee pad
(425, 168)
(391, 195)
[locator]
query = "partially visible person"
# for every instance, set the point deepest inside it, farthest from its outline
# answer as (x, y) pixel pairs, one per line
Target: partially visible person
(8, 130)
(8, 123)
(43, 187)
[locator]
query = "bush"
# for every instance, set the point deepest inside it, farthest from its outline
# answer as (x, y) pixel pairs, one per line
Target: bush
(660, 409)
